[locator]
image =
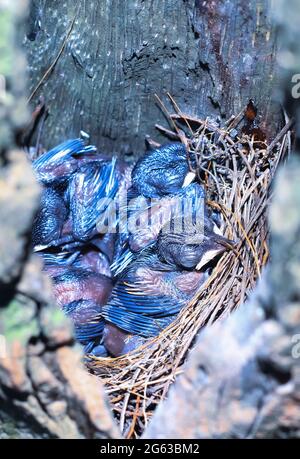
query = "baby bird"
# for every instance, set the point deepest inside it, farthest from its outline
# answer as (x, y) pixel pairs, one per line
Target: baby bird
(50, 219)
(146, 217)
(162, 171)
(81, 294)
(159, 283)
(160, 174)
(79, 185)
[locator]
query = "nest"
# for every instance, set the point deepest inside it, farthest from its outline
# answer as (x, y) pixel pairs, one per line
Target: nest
(237, 171)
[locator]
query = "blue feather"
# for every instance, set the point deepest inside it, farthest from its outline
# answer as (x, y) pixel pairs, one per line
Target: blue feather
(89, 332)
(88, 324)
(137, 324)
(57, 156)
(92, 190)
(139, 312)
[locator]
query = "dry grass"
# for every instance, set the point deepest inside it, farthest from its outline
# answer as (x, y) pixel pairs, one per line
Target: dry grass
(237, 173)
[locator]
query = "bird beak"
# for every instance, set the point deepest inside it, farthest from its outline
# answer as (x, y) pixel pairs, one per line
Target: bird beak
(219, 244)
(189, 178)
(40, 248)
(207, 257)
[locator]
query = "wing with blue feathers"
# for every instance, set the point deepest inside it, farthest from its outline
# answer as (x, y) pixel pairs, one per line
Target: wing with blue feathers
(45, 166)
(88, 324)
(136, 324)
(91, 192)
(146, 302)
(89, 332)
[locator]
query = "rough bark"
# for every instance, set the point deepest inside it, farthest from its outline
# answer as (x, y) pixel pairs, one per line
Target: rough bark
(211, 56)
(44, 390)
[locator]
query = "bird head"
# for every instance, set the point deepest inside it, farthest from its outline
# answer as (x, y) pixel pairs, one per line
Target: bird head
(194, 247)
(162, 171)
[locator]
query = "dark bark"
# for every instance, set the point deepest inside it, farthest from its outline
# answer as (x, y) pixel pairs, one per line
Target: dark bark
(210, 56)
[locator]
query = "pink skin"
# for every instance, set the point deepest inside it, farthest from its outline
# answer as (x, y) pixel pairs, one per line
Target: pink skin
(151, 221)
(118, 342)
(189, 282)
(95, 261)
(53, 271)
(157, 282)
(96, 287)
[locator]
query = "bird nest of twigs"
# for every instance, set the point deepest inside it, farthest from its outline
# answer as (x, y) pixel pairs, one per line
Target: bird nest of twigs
(237, 171)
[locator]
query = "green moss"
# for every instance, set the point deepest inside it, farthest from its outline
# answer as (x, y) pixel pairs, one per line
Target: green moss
(57, 317)
(18, 322)
(53, 317)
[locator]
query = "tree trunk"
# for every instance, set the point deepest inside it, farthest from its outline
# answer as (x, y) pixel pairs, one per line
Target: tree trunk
(212, 57)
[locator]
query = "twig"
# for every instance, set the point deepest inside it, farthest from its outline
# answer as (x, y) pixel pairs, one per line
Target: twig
(52, 66)
(286, 128)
